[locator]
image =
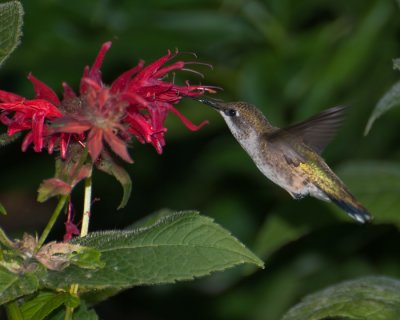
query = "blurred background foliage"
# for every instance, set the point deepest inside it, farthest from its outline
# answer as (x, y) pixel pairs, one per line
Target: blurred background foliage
(290, 58)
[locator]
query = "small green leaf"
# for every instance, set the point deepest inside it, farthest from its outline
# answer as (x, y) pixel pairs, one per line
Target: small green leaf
(53, 187)
(370, 298)
(45, 303)
(178, 247)
(87, 258)
(5, 241)
(11, 14)
(396, 64)
(3, 210)
(59, 255)
(108, 166)
(390, 99)
(68, 173)
(376, 184)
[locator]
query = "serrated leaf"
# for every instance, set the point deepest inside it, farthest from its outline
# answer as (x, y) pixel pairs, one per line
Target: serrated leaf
(15, 285)
(150, 219)
(377, 186)
(108, 165)
(45, 303)
(179, 247)
(11, 14)
(371, 298)
(396, 64)
(390, 99)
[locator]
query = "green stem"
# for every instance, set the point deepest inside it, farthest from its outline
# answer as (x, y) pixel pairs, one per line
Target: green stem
(87, 202)
(68, 313)
(13, 311)
(52, 221)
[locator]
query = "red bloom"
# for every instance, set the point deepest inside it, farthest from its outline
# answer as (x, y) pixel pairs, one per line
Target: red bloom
(136, 103)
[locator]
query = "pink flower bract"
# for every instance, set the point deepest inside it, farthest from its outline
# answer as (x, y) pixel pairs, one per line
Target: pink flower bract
(135, 104)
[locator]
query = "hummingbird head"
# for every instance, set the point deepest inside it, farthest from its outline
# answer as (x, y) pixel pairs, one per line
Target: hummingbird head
(243, 119)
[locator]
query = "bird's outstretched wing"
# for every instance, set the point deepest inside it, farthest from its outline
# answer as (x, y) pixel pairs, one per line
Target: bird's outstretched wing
(315, 132)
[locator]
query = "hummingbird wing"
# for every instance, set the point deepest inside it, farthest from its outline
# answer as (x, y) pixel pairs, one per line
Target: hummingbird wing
(317, 131)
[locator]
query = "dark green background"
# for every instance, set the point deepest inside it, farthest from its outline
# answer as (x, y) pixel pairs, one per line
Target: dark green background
(290, 58)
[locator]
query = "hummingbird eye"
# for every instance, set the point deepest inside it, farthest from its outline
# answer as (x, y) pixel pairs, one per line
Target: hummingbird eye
(230, 112)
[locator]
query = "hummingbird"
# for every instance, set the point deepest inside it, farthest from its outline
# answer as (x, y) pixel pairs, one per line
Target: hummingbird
(291, 157)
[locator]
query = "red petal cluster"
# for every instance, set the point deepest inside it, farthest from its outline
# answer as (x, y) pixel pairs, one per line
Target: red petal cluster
(135, 104)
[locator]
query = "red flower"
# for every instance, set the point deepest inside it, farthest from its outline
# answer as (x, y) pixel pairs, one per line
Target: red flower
(136, 103)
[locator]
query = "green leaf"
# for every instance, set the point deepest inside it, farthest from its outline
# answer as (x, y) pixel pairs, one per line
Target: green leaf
(5, 241)
(69, 172)
(11, 14)
(108, 166)
(377, 186)
(276, 232)
(178, 247)
(95, 296)
(14, 285)
(370, 298)
(150, 219)
(52, 187)
(45, 303)
(390, 99)
(3, 210)
(81, 313)
(396, 64)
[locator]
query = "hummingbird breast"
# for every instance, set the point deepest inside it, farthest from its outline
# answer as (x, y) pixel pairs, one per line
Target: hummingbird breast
(276, 168)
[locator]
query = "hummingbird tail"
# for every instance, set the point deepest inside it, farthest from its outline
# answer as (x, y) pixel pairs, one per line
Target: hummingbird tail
(354, 209)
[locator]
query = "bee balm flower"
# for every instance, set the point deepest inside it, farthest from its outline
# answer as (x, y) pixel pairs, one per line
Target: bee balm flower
(136, 104)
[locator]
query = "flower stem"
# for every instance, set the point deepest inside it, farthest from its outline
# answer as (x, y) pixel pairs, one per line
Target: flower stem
(52, 221)
(87, 202)
(73, 290)
(13, 311)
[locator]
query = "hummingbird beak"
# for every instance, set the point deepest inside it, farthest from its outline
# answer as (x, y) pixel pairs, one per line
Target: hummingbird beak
(210, 102)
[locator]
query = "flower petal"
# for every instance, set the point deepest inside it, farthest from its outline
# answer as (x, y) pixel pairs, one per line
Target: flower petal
(163, 71)
(37, 130)
(117, 145)
(71, 230)
(122, 81)
(68, 92)
(27, 141)
(36, 105)
(186, 121)
(43, 91)
(64, 142)
(9, 97)
(95, 143)
(94, 71)
(152, 68)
